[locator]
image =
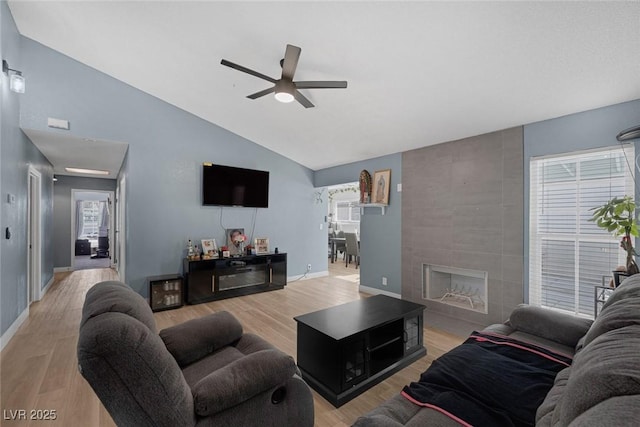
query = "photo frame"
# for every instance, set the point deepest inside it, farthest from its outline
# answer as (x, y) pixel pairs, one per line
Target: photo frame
(235, 247)
(209, 247)
(261, 245)
(381, 184)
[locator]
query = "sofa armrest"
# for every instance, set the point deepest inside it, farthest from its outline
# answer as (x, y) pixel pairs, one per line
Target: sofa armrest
(549, 324)
(194, 339)
(241, 380)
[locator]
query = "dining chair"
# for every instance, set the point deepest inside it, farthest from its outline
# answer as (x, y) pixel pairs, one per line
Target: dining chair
(352, 248)
(340, 246)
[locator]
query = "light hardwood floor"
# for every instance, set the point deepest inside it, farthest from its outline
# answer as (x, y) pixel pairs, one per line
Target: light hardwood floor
(38, 367)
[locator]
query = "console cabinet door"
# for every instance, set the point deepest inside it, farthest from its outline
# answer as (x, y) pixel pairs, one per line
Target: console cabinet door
(200, 286)
(412, 333)
(354, 361)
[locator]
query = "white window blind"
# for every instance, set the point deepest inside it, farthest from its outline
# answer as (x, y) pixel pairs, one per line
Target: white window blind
(568, 254)
(347, 211)
(91, 212)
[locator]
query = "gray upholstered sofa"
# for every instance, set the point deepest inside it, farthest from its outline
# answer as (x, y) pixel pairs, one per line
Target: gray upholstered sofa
(601, 387)
(203, 372)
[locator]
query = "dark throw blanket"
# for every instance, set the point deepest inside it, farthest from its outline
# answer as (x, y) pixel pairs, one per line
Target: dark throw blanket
(489, 380)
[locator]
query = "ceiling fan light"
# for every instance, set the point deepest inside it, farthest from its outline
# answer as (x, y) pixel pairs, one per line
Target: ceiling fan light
(284, 97)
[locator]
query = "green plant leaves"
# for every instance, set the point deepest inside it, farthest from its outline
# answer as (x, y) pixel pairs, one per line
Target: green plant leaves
(617, 216)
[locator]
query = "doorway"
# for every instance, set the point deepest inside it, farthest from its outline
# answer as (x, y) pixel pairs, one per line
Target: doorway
(34, 244)
(343, 213)
(120, 234)
(92, 220)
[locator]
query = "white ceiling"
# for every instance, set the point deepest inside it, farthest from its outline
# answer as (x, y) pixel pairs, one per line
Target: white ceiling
(419, 73)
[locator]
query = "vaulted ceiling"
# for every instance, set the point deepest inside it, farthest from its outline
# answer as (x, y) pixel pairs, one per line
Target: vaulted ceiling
(418, 73)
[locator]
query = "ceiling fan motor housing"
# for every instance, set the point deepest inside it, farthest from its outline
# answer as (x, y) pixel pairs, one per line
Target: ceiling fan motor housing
(285, 90)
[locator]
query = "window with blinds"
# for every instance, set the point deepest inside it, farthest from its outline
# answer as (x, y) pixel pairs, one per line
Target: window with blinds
(568, 254)
(347, 212)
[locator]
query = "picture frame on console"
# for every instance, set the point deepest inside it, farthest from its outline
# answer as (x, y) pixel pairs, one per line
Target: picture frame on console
(262, 245)
(381, 185)
(235, 241)
(209, 248)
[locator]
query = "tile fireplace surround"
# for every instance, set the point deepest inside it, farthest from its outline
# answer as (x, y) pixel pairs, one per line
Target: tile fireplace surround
(462, 207)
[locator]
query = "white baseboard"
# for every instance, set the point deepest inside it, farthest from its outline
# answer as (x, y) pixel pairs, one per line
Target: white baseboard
(9, 333)
(62, 269)
(46, 287)
(307, 276)
(376, 291)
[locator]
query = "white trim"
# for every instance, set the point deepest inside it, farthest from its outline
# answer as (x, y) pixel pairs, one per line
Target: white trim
(9, 333)
(34, 235)
(62, 269)
(376, 291)
(46, 287)
(119, 243)
(307, 276)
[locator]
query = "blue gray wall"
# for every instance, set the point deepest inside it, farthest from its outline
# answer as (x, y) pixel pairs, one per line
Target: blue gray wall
(167, 147)
(380, 235)
(62, 212)
(17, 153)
(581, 131)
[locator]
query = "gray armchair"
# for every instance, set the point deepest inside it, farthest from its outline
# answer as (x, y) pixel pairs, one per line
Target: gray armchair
(203, 372)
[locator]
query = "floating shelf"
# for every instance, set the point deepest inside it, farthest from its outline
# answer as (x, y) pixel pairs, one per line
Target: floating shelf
(371, 205)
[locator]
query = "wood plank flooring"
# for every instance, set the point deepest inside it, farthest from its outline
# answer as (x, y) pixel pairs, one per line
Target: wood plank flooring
(38, 367)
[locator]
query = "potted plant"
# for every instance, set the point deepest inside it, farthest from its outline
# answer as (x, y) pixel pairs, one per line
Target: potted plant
(617, 216)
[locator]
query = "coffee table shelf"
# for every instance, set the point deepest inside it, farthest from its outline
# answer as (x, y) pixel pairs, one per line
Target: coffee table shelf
(347, 349)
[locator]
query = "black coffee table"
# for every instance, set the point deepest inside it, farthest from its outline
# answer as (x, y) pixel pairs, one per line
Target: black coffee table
(347, 349)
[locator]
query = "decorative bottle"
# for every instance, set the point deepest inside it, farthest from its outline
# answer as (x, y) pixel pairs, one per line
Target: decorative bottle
(189, 249)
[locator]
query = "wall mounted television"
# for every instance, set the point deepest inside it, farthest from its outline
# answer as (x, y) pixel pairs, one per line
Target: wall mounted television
(232, 186)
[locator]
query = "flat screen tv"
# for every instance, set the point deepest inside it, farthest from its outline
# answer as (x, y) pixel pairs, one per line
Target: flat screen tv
(231, 186)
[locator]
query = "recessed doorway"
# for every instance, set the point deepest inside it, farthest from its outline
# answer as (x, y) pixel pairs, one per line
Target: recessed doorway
(92, 219)
(34, 244)
(343, 217)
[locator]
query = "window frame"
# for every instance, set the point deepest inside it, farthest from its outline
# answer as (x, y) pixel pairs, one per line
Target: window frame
(580, 234)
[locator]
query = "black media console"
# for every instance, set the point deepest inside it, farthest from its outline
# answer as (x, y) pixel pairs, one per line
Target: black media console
(214, 279)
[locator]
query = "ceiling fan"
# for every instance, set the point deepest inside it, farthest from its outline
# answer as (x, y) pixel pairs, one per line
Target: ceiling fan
(286, 90)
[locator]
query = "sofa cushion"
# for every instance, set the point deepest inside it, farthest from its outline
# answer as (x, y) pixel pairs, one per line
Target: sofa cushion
(195, 338)
(549, 324)
(621, 313)
(605, 368)
(398, 411)
(114, 296)
(629, 288)
(544, 414)
(625, 409)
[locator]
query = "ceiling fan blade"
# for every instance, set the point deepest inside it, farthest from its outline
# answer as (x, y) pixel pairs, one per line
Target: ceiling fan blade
(247, 70)
(302, 99)
(262, 93)
(291, 56)
(321, 85)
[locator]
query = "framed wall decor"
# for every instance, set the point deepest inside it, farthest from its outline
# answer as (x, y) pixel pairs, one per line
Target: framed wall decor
(262, 245)
(381, 185)
(209, 247)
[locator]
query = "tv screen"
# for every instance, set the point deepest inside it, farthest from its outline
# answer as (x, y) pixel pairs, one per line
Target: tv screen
(231, 186)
